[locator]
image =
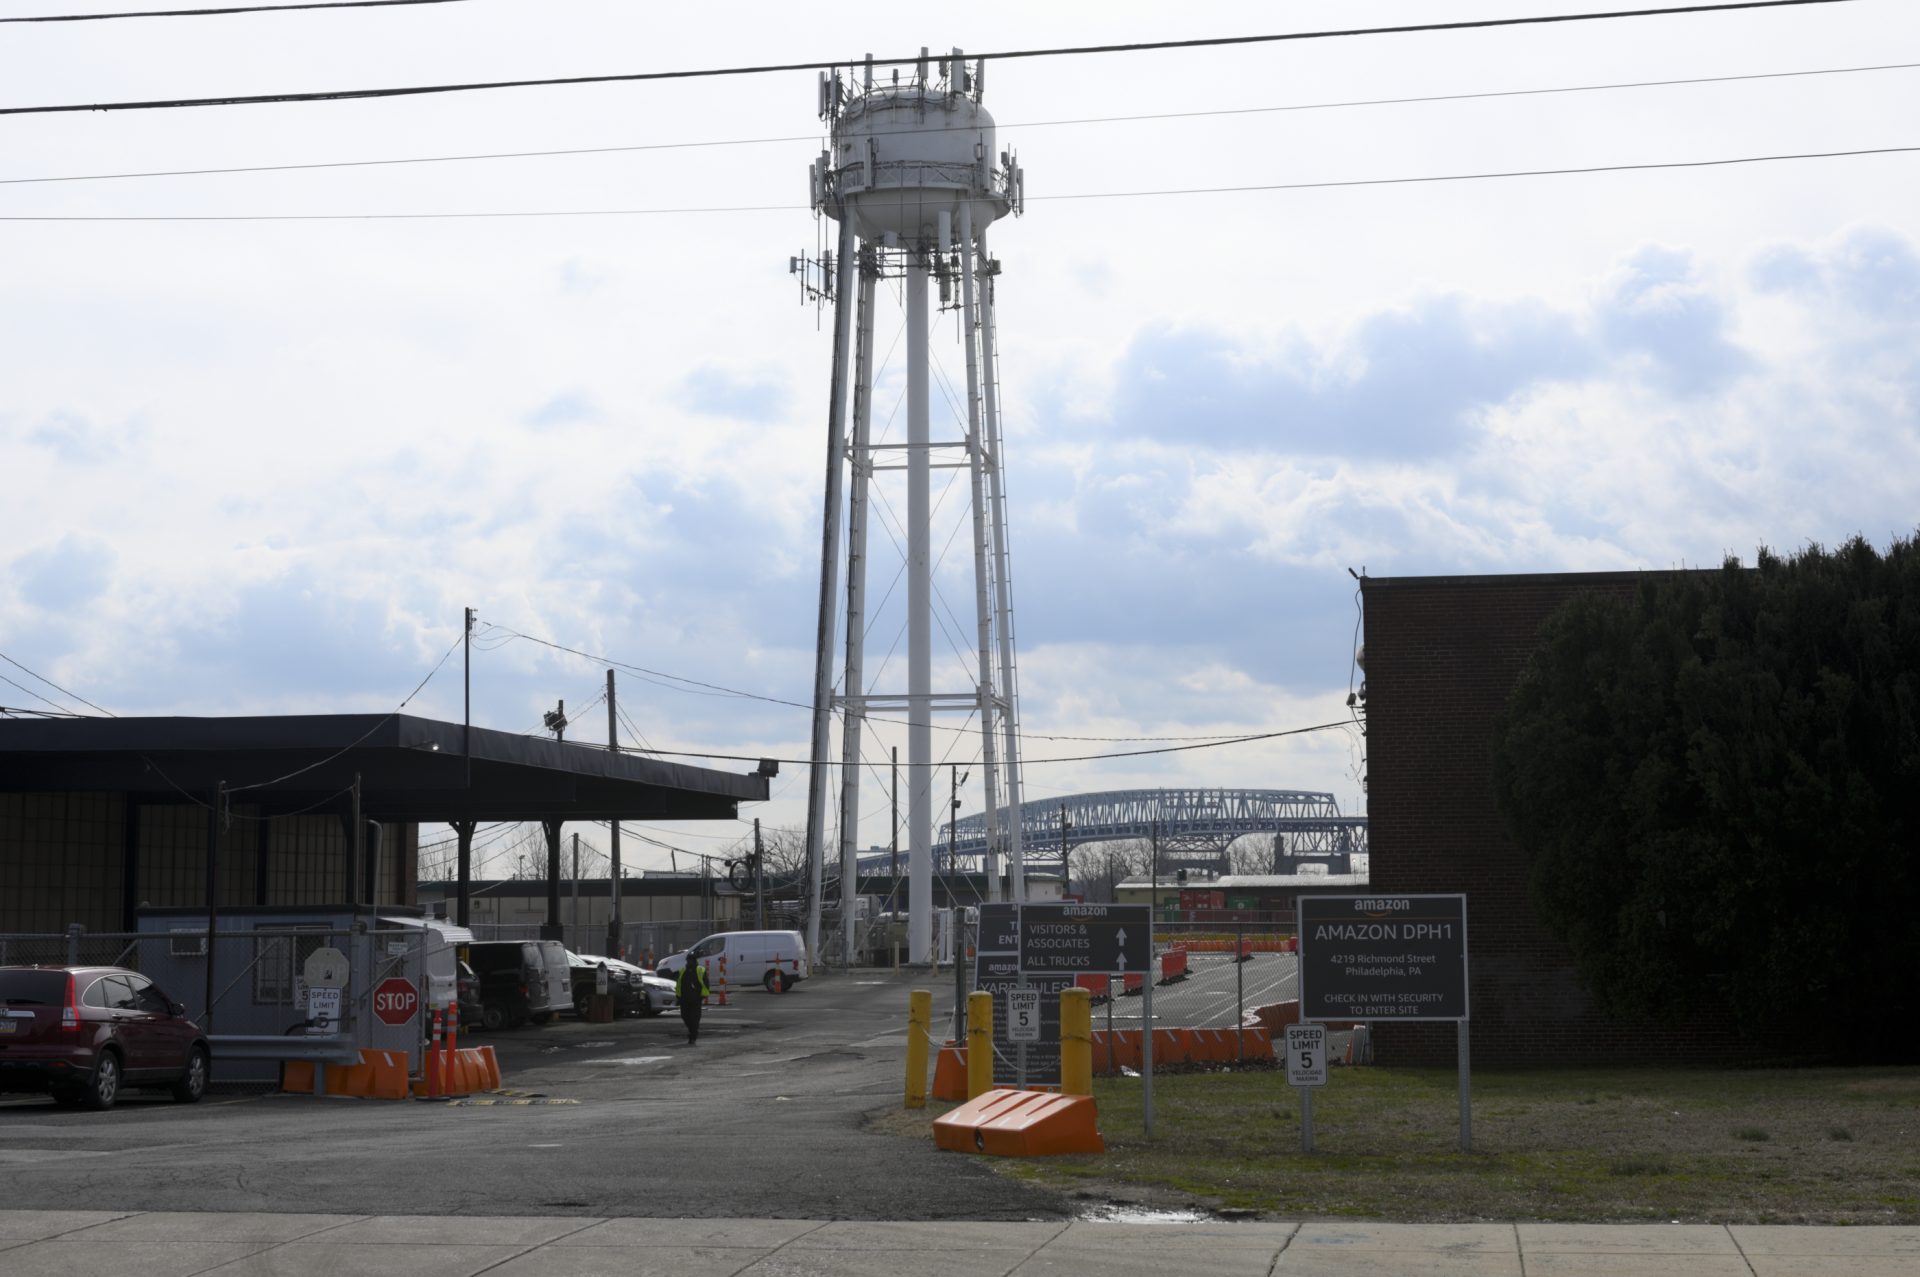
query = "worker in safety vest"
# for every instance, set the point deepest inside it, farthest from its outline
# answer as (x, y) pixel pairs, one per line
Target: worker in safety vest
(691, 988)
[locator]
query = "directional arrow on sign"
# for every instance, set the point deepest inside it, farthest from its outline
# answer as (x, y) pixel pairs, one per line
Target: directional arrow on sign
(1084, 939)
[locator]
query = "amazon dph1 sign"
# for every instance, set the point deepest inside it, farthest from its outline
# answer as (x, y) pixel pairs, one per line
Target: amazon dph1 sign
(1383, 957)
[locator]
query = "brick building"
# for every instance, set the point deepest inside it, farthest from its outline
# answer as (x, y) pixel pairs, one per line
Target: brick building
(1442, 655)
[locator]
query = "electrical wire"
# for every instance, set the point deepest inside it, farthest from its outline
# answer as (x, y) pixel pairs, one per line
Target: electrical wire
(238, 8)
(64, 711)
(1034, 762)
(500, 214)
(1213, 112)
(387, 718)
(344, 95)
(55, 686)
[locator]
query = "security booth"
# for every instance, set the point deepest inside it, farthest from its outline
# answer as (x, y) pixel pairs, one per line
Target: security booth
(270, 969)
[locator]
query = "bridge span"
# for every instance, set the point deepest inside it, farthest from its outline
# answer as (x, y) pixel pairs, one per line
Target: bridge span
(1194, 827)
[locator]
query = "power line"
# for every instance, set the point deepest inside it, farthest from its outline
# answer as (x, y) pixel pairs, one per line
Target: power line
(1249, 188)
(63, 710)
(1211, 112)
(239, 8)
(301, 771)
(1027, 762)
(716, 689)
(55, 686)
(343, 95)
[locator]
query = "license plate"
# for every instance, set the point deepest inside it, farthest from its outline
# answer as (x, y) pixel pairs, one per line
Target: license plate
(6, 1026)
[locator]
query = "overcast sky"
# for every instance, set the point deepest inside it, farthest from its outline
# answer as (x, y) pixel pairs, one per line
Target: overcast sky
(261, 466)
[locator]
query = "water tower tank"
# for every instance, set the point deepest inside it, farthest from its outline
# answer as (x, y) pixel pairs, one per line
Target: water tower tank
(904, 152)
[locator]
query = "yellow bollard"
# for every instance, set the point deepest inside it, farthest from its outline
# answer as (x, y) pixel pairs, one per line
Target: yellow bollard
(1076, 1042)
(979, 1044)
(919, 1021)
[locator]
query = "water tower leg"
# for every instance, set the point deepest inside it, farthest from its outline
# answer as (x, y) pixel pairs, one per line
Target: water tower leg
(983, 614)
(829, 589)
(860, 464)
(1003, 590)
(919, 621)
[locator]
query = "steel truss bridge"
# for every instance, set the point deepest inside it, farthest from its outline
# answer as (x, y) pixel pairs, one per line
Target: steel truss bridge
(1194, 828)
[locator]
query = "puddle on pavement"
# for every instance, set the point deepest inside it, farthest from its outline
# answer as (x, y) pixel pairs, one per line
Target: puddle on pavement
(1116, 1213)
(632, 1059)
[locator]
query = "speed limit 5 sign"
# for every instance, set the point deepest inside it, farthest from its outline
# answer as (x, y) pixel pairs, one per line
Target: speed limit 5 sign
(1023, 1015)
(1306, 1054)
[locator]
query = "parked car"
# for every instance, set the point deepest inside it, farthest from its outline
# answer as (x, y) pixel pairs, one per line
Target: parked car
(657, 991)
(82, 1034)
(467, 990)
(514, 987)
(624, 989)
(776, 959)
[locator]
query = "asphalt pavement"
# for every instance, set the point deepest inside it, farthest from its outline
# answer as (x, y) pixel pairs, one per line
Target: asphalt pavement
(763, 1118)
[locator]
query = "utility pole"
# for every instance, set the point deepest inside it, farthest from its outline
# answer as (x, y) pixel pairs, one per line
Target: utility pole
(1153, 901)
(576, 885)
(466, 730)
(613, 869)
(953, 846)
(556, 720)
(759, 880)
(896, 821)
(1066, 877)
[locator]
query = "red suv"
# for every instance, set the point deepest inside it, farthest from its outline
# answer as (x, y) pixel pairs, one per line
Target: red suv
(82, 1033)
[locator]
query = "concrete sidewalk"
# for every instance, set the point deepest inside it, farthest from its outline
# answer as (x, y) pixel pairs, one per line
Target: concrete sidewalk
(84, 1243)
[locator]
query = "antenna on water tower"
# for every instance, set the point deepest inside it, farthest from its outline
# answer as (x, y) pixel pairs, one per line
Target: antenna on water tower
(914, 176)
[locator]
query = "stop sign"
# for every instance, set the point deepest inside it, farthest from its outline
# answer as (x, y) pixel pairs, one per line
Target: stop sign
(396, 1001)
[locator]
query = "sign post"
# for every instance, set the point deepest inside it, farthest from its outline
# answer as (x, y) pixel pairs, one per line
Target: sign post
(1389, 957)
(1306, 1050)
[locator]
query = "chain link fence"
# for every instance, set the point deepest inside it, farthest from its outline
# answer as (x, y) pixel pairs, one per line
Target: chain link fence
(245, 981)
(1206, 975)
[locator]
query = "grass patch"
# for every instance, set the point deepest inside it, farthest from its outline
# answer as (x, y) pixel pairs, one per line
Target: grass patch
(1573, 1144)
(1630, 1166)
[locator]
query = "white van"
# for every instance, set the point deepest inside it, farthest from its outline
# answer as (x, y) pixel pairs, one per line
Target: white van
(554, 961)
(441, 944)
(776, 960)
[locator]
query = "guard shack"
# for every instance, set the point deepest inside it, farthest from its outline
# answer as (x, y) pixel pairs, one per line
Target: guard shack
(270, 967)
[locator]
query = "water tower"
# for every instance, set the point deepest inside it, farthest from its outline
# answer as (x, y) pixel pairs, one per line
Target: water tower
(914, 177)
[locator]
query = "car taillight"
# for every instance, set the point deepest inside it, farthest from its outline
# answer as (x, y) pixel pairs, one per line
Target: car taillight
(70, 1013)
(523, 990)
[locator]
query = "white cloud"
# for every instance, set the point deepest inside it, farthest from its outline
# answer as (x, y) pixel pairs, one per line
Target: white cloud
(262, 466)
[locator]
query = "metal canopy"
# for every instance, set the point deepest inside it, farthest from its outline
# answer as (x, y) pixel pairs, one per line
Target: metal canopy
(410, 769)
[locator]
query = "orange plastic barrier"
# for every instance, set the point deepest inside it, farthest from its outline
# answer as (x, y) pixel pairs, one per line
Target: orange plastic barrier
(1121, 1049)
(1009, 1123)
(950, 1072)
(1173, 966)
(380, 1075)
(1131, 985)
(1253, 944)
(1097, 986)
